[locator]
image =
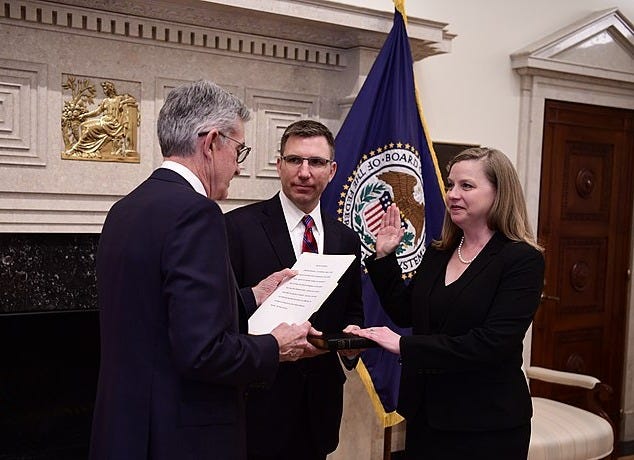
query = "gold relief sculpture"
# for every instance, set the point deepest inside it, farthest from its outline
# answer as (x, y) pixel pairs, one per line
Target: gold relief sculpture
(106, 133)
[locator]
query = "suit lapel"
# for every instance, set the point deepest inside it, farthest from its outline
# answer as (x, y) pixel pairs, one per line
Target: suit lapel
(332, 235)
(486, 256)
(274, 225)
(430, 275)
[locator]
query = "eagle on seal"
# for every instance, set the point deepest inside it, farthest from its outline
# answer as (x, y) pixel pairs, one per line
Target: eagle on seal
(403, 188)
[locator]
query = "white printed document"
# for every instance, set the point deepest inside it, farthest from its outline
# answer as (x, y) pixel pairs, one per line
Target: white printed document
(297, 298)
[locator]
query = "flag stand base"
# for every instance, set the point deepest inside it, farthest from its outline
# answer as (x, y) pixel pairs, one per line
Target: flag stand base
(387, 443)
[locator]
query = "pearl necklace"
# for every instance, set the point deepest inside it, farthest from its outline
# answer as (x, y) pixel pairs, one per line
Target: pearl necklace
(465, 261)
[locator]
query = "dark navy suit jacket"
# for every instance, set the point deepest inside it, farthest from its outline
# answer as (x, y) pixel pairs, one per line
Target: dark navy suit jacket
(174, 364)
(308, 392)
(465, 373)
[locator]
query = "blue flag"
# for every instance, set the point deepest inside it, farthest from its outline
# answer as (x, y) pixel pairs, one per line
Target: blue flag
(383, 156)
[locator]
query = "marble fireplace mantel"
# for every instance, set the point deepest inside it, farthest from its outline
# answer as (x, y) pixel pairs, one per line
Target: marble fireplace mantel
(320, 22)
(287, 59)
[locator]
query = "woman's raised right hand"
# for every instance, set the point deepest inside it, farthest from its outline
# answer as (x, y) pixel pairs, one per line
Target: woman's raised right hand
(390, 232)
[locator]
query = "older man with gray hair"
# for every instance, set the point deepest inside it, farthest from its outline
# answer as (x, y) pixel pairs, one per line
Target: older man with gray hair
(175, 357)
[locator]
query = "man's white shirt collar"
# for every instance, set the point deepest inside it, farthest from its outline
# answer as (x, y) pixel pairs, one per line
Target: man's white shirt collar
(186, 174)
(294, 215)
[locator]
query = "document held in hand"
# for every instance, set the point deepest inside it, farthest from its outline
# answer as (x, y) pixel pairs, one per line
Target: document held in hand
(297, 298)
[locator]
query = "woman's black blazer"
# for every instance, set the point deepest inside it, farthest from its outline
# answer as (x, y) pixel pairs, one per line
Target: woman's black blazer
(466, 373)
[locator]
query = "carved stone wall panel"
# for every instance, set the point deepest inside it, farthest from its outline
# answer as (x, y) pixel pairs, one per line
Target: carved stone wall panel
(68, 54)
(22, 113)
(273, 112)
(587, 188)
(582, 275)
(322, 52)
(137, 66)
(56, 212)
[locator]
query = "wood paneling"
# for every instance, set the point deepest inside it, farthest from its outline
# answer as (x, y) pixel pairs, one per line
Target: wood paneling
(585, 225)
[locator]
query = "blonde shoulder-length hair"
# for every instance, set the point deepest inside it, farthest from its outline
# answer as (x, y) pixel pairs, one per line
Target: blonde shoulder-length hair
(508, 213)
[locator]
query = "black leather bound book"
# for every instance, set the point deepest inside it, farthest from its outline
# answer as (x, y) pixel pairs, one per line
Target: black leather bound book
(340, 341)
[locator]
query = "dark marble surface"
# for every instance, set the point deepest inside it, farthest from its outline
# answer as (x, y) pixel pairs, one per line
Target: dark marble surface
(47, 272)
(49, 364)
(49, 345)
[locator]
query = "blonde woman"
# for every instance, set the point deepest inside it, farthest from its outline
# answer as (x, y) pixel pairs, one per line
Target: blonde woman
(463, 392)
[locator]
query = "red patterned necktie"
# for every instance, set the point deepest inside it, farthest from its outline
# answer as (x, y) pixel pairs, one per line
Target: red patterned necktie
(308, 242)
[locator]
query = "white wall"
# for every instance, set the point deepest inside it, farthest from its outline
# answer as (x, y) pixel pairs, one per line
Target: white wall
(472, 95)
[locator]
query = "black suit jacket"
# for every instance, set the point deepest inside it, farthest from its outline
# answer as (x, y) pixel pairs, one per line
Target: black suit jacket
(465, 374)
(174, 365)
(310, 391)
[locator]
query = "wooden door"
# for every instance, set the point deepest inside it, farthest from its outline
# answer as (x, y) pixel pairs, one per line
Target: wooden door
(585, 220)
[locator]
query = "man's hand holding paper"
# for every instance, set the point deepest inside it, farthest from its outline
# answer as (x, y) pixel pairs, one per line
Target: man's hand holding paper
(268, 285)
(297, 298)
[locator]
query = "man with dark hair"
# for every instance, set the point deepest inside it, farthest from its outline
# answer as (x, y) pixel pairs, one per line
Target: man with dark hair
(175, 359)
(299, 415)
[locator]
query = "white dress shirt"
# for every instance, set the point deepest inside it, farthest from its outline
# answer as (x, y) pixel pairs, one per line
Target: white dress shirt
(186, 174)
(293, 216)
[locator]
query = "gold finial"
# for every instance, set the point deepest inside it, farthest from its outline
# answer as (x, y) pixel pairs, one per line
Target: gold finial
(400, 6)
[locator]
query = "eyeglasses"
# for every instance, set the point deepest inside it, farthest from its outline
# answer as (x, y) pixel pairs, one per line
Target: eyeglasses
(242, 150)
(313, 162)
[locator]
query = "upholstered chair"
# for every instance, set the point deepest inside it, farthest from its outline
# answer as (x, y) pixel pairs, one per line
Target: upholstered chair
(563, 432)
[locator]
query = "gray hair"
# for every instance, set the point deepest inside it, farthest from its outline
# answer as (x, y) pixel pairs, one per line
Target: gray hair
(193, 108)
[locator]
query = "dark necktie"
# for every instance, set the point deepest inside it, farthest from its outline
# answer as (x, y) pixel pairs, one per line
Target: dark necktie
(308, 242)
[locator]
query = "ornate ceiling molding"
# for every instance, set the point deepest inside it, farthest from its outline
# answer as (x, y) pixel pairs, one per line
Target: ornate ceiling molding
(317, 31)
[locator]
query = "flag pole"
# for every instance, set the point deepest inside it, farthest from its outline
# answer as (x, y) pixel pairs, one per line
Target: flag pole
(383, 138)
(387, 431)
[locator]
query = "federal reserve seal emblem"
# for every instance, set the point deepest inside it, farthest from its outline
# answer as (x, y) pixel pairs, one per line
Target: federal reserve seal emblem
(389, 174)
